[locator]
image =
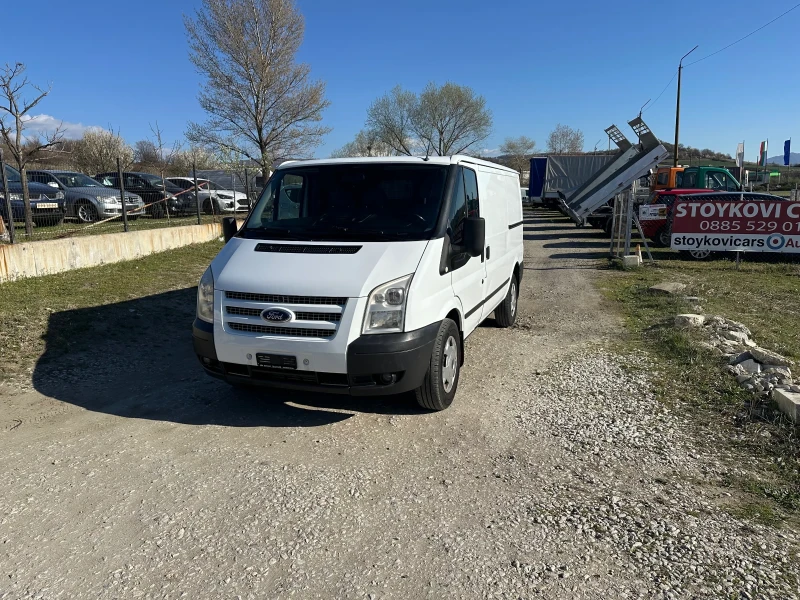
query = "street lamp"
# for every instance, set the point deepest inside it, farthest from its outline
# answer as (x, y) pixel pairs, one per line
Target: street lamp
(678, 109)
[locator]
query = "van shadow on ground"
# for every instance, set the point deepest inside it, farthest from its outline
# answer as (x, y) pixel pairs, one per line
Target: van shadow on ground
(135, 359)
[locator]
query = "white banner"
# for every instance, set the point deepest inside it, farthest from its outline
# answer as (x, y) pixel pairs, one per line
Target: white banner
(652, 212)
(740, 155)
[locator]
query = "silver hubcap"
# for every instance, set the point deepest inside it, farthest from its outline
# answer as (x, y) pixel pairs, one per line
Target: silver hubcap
(449, 364)
(84, 213)
(700, 253)
(513, 292)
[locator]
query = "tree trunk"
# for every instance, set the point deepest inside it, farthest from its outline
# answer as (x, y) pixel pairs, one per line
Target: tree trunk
(26, 200)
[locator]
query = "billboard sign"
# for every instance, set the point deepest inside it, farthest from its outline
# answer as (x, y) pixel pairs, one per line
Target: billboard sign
(736, 226)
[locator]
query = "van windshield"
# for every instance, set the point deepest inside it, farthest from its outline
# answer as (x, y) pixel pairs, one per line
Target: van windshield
(364, 202)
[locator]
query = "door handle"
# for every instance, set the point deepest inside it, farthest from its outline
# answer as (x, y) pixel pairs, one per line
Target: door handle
(488, 252)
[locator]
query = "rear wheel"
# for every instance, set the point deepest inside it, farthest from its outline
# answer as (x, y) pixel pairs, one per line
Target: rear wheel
(441, 380)
(506, 313)
(696, 254)
(86, 212)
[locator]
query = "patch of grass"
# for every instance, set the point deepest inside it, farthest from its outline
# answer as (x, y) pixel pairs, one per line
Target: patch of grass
(28, 303)
(761, 512)
(765, 296)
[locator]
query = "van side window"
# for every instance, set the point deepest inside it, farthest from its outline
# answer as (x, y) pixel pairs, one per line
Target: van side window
(471, 191)
(663, 178)
(715, 181)
(679, 179)
(458, 211)
(689, 180)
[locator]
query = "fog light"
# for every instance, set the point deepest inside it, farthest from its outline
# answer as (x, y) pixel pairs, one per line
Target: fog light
(387, 378)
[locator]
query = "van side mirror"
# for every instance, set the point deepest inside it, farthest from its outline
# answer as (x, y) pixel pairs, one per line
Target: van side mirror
(229, 228)
(474, 236)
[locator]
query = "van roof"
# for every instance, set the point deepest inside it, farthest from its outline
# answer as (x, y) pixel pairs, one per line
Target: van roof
(435, 160)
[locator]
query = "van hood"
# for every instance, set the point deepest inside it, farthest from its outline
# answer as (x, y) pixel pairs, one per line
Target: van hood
(240, 267)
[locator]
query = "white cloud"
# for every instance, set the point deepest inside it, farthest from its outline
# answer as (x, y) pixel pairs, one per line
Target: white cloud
(40, 125)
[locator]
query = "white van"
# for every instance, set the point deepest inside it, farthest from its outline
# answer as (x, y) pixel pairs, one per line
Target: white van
(363, 276)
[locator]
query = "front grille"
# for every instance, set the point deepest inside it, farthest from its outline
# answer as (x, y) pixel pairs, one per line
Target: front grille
(278, 299)
(284, 331)
(301, 316)
(306, 249)
(51, 195)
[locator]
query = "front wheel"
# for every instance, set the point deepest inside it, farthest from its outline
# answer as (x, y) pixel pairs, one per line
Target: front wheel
(87, 213)
(441, 380)
(662, 238)
(506, 313)
(157, 211)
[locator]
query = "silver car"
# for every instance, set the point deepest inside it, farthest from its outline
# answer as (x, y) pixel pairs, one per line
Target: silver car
(88, 200)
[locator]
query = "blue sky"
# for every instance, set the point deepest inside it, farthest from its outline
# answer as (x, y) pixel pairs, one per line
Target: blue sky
(584, 63)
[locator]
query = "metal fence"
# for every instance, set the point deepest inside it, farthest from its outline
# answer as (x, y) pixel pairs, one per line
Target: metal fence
(65, 203)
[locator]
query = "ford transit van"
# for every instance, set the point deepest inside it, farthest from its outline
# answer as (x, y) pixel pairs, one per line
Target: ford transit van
(363, 276)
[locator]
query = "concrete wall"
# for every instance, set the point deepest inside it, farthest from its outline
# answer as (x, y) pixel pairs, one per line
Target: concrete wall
(32, 259)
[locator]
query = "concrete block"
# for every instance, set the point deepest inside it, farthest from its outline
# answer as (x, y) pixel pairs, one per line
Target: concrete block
(631, 261)
(31, 259)
(789, 403)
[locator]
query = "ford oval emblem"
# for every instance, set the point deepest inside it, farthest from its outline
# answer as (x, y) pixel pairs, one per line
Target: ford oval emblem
(277, 315)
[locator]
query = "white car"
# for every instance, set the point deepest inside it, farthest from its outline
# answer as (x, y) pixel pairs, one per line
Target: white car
(363, 276)
(213, 198)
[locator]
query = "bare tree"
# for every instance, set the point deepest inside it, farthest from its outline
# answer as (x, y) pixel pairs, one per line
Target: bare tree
(145, 153)
(451, 118)
(391, 119)
(14, 116)
(260, 102)
(518, 152)
(366, 143)
(565, 140)
(98, 150)
(446, 119)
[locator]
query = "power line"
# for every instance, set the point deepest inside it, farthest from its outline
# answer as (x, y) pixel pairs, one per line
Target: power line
(662, 91)
(745, 37)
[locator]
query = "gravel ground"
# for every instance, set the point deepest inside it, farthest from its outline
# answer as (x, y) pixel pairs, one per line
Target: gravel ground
(555, 474)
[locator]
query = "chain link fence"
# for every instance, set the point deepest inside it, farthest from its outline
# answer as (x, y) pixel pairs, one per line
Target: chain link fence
(65, 202)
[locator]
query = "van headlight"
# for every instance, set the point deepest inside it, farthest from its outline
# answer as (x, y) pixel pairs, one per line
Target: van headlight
(205, 297)
(386, 307)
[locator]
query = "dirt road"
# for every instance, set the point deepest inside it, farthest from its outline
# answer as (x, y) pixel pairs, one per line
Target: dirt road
(127, 473)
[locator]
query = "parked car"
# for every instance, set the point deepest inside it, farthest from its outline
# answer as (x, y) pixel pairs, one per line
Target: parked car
(47, 203)
(159, 196)
(213, 198)
(88, 200)
(372, 285)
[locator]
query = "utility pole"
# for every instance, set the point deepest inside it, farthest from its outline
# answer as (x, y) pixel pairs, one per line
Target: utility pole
(678, 109)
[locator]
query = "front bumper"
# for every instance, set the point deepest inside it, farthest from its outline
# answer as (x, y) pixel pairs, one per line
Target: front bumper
(379, 364)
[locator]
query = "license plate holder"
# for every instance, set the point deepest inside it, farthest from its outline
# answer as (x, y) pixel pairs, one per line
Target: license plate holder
(277, 361)
(47, 205)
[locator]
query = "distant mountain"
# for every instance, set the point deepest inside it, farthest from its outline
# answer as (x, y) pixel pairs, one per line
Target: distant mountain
(794, 159)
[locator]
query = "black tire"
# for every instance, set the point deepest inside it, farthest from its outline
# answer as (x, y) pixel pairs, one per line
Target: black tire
(506, 313)
(662, 238)
(445, 365)
(157, 211)
(86, 212)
